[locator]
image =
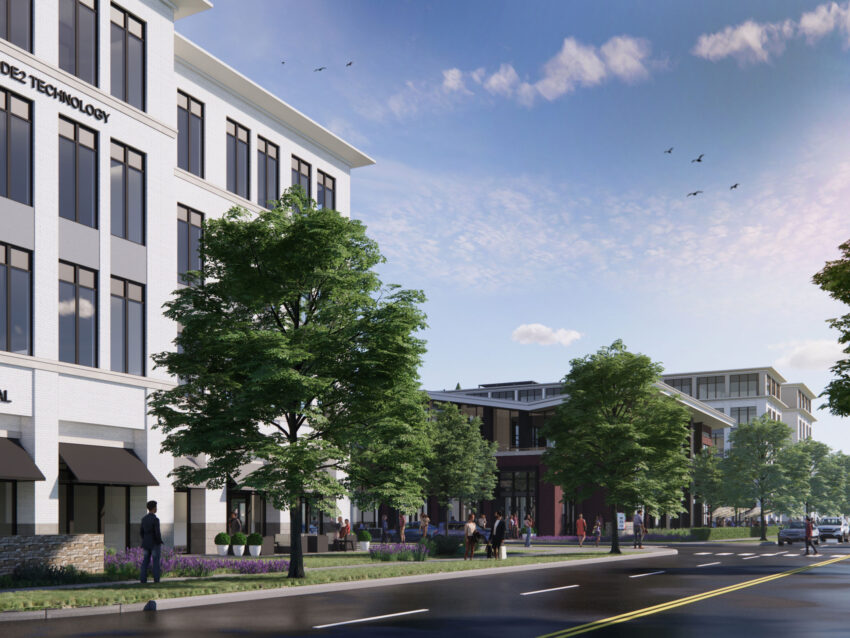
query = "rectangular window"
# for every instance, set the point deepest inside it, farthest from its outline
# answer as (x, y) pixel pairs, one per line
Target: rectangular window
(77, 173)
(743, 385)
(189, 230)
(325, 190)
(530, 395)
(301, 175)
(78, 38)
(771, 387)
(554, 392)
(267, 172)
(16, 22)
(128, 326)
(238, 159)
(15, 148)
(711, 388)
(743, 415)
(683, 385)
(127, 185)
(190, 134)
(127, 39)
(503, 394)
(77, 315)
(15, 300)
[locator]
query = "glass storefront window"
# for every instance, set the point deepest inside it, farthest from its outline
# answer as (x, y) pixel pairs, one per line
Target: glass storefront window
(7, 508)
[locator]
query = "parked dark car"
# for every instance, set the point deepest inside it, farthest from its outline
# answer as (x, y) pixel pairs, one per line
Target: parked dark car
(795, 532)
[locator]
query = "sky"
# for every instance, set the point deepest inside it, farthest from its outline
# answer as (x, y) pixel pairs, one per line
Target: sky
(521, 179)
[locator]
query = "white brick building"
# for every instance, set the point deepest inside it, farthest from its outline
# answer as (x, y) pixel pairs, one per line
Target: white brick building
(117, 136)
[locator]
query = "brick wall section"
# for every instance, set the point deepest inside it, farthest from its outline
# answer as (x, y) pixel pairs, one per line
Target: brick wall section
(83, 551)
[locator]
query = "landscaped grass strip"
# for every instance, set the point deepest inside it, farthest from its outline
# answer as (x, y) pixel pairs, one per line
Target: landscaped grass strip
(126, 594)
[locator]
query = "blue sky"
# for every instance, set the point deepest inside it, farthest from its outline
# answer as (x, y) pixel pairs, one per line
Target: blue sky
(521, 180)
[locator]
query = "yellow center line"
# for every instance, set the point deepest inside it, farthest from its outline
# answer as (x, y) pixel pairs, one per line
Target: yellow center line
(679, 602)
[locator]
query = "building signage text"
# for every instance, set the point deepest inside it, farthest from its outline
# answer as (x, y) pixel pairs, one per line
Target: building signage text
(4, 396)
(19, 75)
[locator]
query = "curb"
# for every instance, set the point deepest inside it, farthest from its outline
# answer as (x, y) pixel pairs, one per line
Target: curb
(285, 592)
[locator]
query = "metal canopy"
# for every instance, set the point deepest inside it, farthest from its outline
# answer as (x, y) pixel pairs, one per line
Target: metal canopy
(16, 464)
(105, 465)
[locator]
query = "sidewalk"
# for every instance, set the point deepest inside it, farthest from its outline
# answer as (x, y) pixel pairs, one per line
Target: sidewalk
(282, 592)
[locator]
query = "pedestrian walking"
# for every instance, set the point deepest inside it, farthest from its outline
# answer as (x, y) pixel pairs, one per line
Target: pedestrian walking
(497, 534)
(637, 522)
(809, 535)
(482, 521)
(402, 521)
(151, 543)
(385, 529)
(234, 525)
(597, 529)
(529, 524)
(470, 532)
(515, 525)
(424, 520)
(581, 529)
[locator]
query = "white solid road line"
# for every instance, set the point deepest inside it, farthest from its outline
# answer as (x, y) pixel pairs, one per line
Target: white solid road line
(543, 591)
(351, 622)
(717, 562)
(646, 574)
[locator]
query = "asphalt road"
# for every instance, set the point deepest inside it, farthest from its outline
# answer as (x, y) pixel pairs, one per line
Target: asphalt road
(718, 591)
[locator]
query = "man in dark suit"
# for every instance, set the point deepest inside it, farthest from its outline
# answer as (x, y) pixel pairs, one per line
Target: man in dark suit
(151, 543)
(497, 534)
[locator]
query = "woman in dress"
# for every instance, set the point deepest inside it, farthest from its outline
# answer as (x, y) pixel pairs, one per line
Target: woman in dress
(470, 530)
(597, 529)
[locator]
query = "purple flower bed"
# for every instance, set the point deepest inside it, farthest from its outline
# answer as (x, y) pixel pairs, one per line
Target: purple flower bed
(125, 564)
(607, 539)
(399, 552)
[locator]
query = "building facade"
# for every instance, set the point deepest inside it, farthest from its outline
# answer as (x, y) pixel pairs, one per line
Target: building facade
(748, 393)
(118, 138)
(513, 415)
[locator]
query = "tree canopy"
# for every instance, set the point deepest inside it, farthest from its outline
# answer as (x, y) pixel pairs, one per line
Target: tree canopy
(834, 278)
(294, 353)
(616, 431)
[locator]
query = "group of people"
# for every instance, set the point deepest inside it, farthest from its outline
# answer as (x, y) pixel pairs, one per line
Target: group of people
(424, 522)
(500, 530)
(581, 529)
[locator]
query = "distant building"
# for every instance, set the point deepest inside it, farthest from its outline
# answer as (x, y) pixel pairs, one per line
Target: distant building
(748, 393)
(513, 415)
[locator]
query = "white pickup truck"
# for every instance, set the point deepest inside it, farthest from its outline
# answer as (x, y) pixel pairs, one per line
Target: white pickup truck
(834, 527)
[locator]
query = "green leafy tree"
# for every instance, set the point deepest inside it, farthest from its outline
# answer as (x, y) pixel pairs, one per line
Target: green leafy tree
(464, 465)
(835, 279)
(826, 477)
(617, 431)
(754, 463)
(707, 477)
(293, 352)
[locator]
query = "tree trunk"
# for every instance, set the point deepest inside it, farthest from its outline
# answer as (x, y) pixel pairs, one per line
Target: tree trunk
(763, 528)
(615, 536)
(296, 556)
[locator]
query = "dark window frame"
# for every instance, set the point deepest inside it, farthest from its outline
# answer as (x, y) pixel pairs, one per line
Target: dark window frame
(190, 103)
(126, 29)
(76, 140)
(30, 34)
(94, 7)
(322, 189)
(716, 383)
(743, 385)
(125, 162)
(7, 260)
(237, 133)
(125, 296)
(6, 110)
(188, 216)
(14, 508)
(263, 159)
(298, 165)
(77, 285)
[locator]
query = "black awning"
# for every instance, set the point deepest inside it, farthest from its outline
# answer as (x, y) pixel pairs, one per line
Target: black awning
(16, 464)
(105, 465)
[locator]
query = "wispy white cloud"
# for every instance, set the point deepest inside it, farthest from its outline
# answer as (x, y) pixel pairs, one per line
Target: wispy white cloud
(754, 42)
(453, 81)
(815, 354)
(528, 333)
(502, 82)
(627, 57)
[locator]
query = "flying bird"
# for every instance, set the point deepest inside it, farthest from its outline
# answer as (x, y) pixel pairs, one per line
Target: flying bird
(669, 150)
(321, 68)
(699, 159)
(349, 63)
(694, 194)
(733, 186)
(283, 61)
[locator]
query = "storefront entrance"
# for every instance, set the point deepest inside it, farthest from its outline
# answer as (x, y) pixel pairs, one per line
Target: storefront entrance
(250, 508)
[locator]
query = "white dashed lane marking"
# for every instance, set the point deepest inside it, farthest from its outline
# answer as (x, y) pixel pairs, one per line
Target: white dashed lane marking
(351, 622)
(751, 557)
(717, 562)
(725, 554)
(543, 591)
(746, 554)
(646, 574)
(703, 554)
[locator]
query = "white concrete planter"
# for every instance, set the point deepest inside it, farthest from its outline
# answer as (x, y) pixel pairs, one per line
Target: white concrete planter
(222, 549)
(255, 549)
(363, 545)
(238, 550)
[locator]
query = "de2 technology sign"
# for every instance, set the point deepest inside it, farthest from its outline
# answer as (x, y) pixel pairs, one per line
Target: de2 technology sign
(19, 75)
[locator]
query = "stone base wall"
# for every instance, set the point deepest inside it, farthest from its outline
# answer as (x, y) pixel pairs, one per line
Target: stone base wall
(83, 551)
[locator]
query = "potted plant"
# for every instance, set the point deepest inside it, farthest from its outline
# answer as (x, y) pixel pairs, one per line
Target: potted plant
(255, 543)
(238, 540)
(222, 542)
(363, 540)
